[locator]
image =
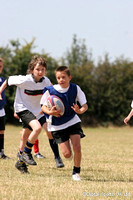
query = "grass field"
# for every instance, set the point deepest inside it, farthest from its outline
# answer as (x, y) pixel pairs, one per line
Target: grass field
(107, 169)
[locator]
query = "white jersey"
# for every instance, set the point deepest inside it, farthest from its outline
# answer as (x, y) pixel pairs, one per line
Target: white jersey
(81, 98)
(28, 93)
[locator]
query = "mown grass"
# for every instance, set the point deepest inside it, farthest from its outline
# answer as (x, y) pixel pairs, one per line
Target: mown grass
(107, 169)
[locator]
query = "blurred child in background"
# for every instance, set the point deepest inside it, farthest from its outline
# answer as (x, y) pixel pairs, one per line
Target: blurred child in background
(2, 115)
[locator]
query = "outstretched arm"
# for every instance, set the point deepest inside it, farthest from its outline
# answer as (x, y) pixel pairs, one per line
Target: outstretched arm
(128, 117)
(78, 110)
(3, 86)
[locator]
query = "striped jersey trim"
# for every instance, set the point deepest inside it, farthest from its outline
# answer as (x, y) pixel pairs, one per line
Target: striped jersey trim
(33, 92)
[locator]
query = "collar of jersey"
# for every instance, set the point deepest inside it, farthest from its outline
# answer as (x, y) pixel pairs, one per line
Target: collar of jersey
(41, 80)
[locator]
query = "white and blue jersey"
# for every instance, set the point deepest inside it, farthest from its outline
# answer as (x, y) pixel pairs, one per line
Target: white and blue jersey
(3, 101)
(69, 96)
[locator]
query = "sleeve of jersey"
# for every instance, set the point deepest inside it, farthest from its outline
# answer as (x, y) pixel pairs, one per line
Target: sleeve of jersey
(47, 81)
(44, 97)
(16, 80)
(81, 98)
(132, 104)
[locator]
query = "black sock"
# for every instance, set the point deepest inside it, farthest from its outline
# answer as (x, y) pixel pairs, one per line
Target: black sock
(54, 148)
(76, 170)
(1, 142)
(20, 152)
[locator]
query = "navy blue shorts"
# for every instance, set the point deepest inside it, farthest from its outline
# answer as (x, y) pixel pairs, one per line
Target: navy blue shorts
(63, 135)
(26, 116)
(2, 123)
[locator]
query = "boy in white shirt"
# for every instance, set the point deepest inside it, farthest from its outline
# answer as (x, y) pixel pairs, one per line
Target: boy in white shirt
(27, 106)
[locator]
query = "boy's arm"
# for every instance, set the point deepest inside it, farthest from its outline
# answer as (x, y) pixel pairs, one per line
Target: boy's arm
(53, 111)
(3, 86)
(81, 98)
(128, 117)
(16, 116)
(78, 110)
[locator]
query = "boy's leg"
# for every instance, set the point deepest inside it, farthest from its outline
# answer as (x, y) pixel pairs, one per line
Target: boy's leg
(36, 146)
(25, 134)
(20, 165)
(54, 148)
(29, 121)
(75, 139)
(36, 129)
(37, 153)
(66, 149)
(36, 150)
(2, 129)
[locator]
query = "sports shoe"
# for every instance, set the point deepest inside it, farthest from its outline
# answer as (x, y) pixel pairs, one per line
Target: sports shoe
(18, 154)
(38, 155)
(22, 167)
(59, 162)
(27, 157)
(3, 156)
(76, 177)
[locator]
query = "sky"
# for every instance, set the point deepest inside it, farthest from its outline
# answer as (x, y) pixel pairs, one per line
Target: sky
(105, 25)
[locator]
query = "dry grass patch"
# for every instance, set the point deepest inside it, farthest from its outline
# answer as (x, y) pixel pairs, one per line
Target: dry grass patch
(107, 171)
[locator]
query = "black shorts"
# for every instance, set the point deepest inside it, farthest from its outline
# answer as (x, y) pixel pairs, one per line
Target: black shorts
(26, 116)
(64, 134)
(2, 123)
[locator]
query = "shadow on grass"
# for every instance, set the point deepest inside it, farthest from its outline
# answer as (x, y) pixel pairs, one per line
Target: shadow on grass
(104, 175)
(105, 180)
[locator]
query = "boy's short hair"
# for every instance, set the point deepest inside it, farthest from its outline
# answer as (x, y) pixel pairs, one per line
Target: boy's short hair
(63, 69)
(36, 60)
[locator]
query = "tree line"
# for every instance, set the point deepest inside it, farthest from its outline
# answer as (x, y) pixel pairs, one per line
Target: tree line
(108, 85)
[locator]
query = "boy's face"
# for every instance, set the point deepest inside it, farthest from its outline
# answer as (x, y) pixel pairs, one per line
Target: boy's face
(1, 66)
(63, 79)
(38, 72)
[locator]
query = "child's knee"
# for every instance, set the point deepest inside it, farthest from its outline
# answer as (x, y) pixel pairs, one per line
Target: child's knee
(67, 154)
(38, 129)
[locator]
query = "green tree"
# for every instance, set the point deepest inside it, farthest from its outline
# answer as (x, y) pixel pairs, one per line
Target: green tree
(112, 91)
(17, 58)
(108, 85)
(82, 66)
(78, 54)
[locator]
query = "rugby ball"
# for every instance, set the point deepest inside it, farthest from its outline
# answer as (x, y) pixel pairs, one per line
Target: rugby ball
(53, 100)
